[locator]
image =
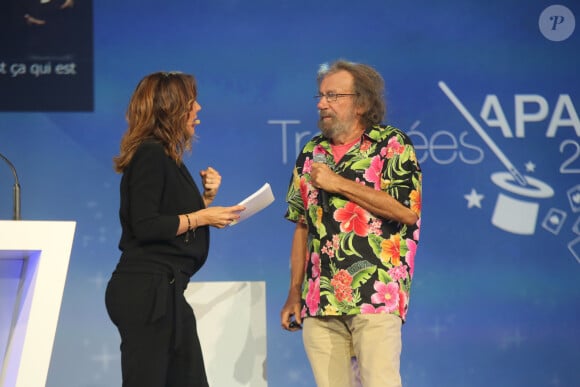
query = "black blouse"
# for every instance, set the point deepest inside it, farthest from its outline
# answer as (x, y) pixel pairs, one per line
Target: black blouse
(154, 191)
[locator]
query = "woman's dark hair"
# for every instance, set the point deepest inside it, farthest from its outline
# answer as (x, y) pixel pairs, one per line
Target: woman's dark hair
(159, 109)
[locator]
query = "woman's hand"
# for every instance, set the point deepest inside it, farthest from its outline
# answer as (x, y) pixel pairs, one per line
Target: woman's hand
(219, 217)
(211, 180)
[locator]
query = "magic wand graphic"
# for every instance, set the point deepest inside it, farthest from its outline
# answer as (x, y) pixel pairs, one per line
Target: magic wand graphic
(490, 143)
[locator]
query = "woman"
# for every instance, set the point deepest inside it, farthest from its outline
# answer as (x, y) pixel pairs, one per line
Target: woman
(165, 235)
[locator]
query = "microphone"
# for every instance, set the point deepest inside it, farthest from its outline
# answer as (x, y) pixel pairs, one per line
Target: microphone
(16, 188)
(320, 158)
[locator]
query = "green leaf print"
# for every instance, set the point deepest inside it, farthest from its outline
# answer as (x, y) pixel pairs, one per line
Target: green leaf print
(309, 147)
(362, 276)
(363, 164)
(375, 242)
(345, 307)
(325, 284)
(313, 212)
(384, 277)
(349, 250)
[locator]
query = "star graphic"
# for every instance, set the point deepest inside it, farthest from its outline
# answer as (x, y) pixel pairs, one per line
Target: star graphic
(511, 340)
(530, 167)
(436, 329)
(474, 199)
(105, 357)
(98, 280)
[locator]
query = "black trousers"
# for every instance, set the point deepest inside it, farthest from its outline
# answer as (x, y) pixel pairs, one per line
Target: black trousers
(143, 307)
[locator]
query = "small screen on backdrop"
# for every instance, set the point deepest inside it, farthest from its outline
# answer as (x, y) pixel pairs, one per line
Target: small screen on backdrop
(46, 55)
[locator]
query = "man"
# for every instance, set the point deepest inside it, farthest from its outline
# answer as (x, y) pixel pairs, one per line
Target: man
(355, 196)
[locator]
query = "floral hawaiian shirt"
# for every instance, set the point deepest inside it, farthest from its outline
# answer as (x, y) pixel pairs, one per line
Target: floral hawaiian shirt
(357, 262)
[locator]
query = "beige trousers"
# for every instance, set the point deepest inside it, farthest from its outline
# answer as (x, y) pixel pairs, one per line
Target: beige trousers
(375, 340)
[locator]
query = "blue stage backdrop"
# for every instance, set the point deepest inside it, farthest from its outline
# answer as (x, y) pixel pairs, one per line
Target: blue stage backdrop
(489, 92)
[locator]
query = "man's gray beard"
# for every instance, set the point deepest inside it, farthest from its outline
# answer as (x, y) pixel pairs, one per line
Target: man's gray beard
(333, 130)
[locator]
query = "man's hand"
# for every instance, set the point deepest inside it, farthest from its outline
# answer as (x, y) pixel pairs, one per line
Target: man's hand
(322, 177)
(290, 314)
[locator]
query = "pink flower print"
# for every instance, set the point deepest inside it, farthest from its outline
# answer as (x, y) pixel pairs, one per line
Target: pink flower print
(417, 231)
(373, 173)
(369, 309)
(335, 241)
(318, 149)
(387, 294)
(313, 295)
(398, 273)
(315, 259)
(352, 218)
(304, 191)
(327, 249)
(394, 147)
(410, 256)
(375, 226)
(330, 247)
(313, 198)
(308, 195)
(307, 167)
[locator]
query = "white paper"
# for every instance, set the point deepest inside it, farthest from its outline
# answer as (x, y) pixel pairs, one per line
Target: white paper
(256, 202)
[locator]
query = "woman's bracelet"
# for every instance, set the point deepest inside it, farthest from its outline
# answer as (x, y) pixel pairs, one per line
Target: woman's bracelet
(188, 222)
(189, 228)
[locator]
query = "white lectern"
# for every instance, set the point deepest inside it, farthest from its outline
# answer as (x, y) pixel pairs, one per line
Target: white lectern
(34, 258)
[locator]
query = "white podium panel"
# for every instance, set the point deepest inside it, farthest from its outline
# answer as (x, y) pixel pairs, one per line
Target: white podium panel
(231, 323)
(34, 258)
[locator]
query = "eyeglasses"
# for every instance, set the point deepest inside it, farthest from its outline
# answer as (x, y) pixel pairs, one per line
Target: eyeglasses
(332, 97)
